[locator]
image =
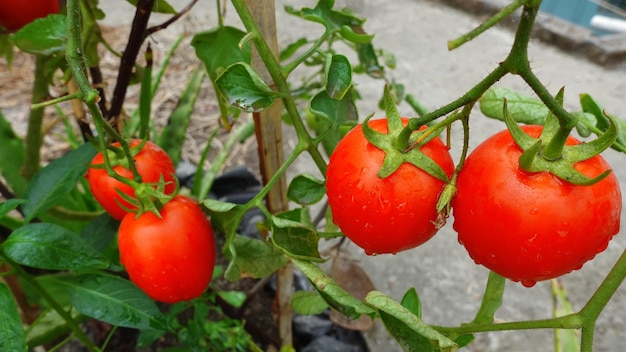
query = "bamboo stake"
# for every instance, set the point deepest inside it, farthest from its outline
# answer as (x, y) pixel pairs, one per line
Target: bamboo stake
(268, 128)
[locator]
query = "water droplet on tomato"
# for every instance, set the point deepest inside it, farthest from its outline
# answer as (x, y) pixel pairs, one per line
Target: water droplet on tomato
(528, 283)
(538, 258)
(531, 241)
(545, 271)
(491, 258)
(533, 211)
(370, 252)
(562, 233)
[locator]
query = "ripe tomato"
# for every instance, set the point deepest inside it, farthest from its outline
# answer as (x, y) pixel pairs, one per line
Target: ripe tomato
(383, 215)
(151, 162)
(532, 227)
(15, 14)
(170, 258)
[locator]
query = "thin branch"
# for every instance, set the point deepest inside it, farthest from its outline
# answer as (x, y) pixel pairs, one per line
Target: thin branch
(129, 57)
(173, 19)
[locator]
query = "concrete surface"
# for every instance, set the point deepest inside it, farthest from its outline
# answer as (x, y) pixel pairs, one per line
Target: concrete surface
(449, 283)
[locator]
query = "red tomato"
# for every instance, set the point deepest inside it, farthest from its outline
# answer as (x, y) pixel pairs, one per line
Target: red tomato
(532, 227)
(383, 215)
(15, 14)
(170, 258)
(151, 162)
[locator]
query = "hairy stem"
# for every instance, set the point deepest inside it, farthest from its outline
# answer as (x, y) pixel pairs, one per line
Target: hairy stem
(273, 67)
(506, 11)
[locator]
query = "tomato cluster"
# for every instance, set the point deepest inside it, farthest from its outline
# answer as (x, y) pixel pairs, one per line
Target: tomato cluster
(524, 226)
(15, 14)
(169, 255)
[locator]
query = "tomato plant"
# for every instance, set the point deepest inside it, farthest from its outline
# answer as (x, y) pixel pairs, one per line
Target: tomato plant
(530, 206)
(15, 14)
(152, 163)
(383, 215)
(171, 257)
(532, 226)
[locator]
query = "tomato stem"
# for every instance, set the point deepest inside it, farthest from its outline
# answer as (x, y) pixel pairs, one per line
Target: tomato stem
(492, 21)
(76, 61)
(273, 67)
(595, 305)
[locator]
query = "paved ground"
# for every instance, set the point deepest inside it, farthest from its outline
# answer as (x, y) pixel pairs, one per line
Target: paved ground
(448, 282)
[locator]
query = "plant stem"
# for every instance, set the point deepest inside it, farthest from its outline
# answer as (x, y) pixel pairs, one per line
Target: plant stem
(34, 138)
(571, 321)
(288, 68)
(77, 95)
(592, 309)
(493, 20)
(517, 63)
(274, 69)
(129, 57)
(471, 96)
(76, 62)
(258, 198)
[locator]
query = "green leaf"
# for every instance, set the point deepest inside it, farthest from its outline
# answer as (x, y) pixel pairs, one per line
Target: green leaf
(50, 246)
(234, 298)
(305, 189)
(113, 300)
(344, 22)
(100, 234)
(9, 205)
(409, 330)
(338, 298)
(292, 48)
(308, 303)
(12, 160)
(589, 105)
(160, 6)
(253, 258)
(56, 180)
(295, 239)
(522, 108)
(411, 301)
(148, 336)
(225, 217)
(11, 331)
(50, 326)
(565, 340)
(338, 76)
(173, 136)
(218, 49)
(331, 119)
(368, 61)
(492, 299)
(586, 122)
(601, 122)
(244, 88)
(43, 36)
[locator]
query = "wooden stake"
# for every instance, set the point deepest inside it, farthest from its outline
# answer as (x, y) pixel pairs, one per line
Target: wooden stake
(268, 128)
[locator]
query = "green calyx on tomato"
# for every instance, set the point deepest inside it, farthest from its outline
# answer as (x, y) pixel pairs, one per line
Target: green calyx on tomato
(120, 189)
(554, 156)
(396, 152)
